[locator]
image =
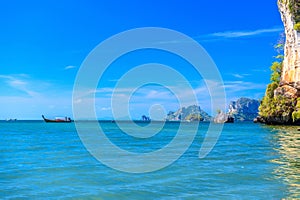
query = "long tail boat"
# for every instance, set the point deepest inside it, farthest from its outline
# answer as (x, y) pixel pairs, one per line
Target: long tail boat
(58, 120)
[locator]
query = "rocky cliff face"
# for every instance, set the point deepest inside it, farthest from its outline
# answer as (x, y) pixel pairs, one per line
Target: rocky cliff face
(191, 113)
(290, 77)
(281, 103)
(244, 109)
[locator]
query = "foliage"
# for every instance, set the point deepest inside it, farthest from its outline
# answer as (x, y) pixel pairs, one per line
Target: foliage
(276, 68)
(296, 116)
(297, 26)
(194, 117)
(277, 107)
(294, 7)
(280, 109)
(279, 45)
(270, 90)
(272, 106)
(296, 113)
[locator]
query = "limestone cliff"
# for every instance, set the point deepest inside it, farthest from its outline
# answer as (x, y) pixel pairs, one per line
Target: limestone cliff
(281, 103)
(290, 76)
(244, 109)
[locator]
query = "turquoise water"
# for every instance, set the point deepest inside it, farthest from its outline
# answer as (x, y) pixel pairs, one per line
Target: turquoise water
(250, 161)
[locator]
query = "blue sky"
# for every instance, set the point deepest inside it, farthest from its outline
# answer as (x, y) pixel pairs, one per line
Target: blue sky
(43, 44)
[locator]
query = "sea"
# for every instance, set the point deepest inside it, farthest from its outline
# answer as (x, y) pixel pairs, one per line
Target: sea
(41, 160)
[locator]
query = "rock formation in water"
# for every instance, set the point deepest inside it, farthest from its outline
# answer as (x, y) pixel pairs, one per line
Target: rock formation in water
(244, 109)
(222, 117)
(145, 118)
(281, 103)
(191, 113)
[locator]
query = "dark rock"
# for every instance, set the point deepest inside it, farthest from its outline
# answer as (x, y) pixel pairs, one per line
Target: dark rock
(278, 120)
(297, 85)
(282, 83)
(286, 91)
(259, 119)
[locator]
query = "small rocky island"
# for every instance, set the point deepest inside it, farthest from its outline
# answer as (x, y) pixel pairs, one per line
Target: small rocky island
(190, 113)
(222, 117)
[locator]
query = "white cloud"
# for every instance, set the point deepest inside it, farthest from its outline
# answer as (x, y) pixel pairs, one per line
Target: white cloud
(235, 89)
(242, 85)
(240, 75)
(237, 34)
(69, 67)
(17, 83)
(5, 76)
(226, 35)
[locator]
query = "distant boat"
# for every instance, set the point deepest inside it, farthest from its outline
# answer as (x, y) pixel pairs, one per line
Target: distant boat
(58, 119)
(10, 120)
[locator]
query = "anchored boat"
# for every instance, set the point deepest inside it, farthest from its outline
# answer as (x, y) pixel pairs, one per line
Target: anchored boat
(58, 119)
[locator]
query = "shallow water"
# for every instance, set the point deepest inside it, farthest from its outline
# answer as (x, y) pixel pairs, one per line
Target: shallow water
(48, 161)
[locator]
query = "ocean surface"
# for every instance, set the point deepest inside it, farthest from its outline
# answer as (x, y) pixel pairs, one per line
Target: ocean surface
(41, 160)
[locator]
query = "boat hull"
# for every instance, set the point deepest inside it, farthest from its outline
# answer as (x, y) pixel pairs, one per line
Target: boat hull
(56, 120)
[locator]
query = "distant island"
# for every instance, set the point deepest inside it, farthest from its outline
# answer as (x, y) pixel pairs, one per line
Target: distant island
(243, 109)
(190, 113)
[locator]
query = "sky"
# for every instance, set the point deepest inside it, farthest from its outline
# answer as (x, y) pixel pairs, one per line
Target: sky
(43, 44)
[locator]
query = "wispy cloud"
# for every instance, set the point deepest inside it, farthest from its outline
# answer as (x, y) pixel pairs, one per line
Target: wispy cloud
(237, 34)
(25, 97)
(259, 70)
(69, 67)
(240, 76)
(242, 86)
(17, 83)
(227, 35)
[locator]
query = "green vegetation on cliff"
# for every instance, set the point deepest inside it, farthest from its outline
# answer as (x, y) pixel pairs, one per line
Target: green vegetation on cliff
(296, 113)
(294, 7)
(280, 104)
(277, 109)
(194, 117)
(276, 68)
(297, 26)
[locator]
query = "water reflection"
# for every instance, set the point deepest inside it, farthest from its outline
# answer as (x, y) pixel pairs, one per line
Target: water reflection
(288, 145)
